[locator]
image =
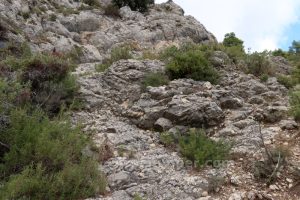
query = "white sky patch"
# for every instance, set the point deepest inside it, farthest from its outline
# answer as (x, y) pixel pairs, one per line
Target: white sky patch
(260, 23)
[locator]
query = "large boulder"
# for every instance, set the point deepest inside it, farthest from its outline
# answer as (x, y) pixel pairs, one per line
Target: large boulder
(194, 111)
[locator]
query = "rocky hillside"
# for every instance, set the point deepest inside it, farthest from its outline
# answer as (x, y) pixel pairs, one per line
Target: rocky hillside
(127, 119)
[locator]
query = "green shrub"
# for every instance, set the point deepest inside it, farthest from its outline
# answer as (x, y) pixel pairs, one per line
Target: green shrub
(280, 52)
(230, 40)
(25, 15)
(295, 103)
(287, 81)
(155, 80)
(51, 83)
(192, 64)
(136, 5)
(167, 139)
(264, 77)
(45, 160)
(200, 149)
(258, 64)
(112, 10)
(233, 46)
(118, 53)
(235, 53)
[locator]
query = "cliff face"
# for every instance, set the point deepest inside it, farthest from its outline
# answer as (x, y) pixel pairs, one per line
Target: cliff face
(123, 115)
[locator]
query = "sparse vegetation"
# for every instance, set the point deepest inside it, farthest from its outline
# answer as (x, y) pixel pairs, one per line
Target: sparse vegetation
(155, 80)
(117, 54)
(274, 160)
(215, 182)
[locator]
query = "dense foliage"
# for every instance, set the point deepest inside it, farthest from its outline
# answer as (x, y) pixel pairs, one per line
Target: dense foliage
(190, 61)
(41, 153)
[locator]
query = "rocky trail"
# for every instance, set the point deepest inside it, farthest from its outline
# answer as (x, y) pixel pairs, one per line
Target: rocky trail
(141, 165)
(123, 117)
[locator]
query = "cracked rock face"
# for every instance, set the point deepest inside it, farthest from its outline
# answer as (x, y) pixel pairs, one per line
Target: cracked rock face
(119, 110)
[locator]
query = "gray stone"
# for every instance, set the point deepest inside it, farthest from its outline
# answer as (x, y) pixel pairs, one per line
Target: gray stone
(119, 179)
(162, 124)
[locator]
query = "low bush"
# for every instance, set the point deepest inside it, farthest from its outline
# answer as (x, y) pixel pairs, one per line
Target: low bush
(155, 80)
(197, 148)
(287, 81)
(136, 5)
(45, 161)
(258, 64)
(268, 168)
(235, 53)
(192, 64)
(118, 53)
(201, 150)
(112, 11)
(51, 83)
(274, 159)
(167, 139)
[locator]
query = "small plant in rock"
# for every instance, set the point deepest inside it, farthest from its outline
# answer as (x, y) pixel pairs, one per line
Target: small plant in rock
(118, 53)
(25, 15)
(274, 160)
(215, 182)
(264, 77)
(201, 150)
(167, 139)
(155, 80)
(137, 197)
(53, 17)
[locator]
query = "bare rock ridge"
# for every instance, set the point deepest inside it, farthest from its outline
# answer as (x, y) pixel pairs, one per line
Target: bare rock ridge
(119, 110)
(97, 33)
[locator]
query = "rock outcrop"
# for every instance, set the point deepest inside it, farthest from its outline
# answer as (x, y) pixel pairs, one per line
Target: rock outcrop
(120, 111)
